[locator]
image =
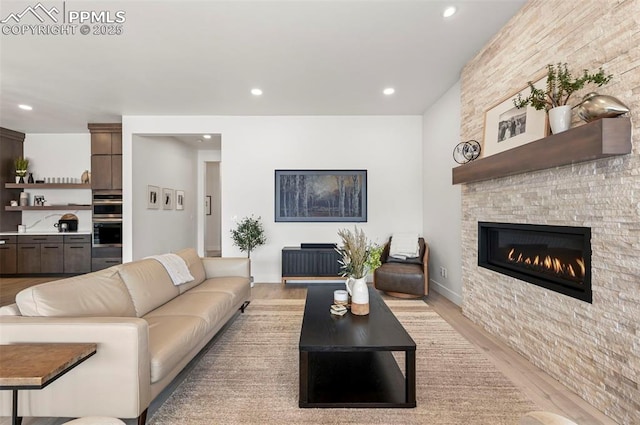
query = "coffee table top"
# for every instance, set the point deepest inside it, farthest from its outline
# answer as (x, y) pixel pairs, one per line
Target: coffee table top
(36, 365)
(380, 330)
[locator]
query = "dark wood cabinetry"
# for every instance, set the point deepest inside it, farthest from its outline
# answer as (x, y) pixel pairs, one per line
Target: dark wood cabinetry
(11, 147)
(28, 258)
(77, 253)
(106, 156)
(45, 254)
(310, 264)
(8, 252)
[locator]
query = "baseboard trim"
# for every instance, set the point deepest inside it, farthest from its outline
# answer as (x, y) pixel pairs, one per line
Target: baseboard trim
(446, 292)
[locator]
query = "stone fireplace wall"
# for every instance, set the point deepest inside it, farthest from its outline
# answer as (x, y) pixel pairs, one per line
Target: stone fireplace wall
(594, 349)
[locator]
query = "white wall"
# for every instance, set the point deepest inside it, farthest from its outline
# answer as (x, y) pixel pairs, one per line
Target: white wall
(58, 155)
(213, 221)
(166, 163)
(442, 200)
(389, 147)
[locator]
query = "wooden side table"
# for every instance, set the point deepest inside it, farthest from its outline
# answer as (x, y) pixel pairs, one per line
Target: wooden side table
(34, 366)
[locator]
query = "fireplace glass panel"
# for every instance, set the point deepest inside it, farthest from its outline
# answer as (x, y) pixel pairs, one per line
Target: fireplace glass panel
(555, 257)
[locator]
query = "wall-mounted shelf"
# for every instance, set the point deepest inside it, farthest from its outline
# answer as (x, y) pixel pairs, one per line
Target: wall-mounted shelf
(49, 207)
(46, 186)
(599, 139)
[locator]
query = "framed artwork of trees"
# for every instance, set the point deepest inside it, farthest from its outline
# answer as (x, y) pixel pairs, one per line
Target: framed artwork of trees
(321, 195)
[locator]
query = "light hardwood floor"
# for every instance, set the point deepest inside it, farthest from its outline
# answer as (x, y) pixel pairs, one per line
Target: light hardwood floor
(541, 388)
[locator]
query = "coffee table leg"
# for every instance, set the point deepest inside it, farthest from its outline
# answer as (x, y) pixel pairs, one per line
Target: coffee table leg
(410, 373)
(304, 378)
(15, 419)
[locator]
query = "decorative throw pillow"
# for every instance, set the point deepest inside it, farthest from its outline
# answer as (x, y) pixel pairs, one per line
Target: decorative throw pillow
(404, 245)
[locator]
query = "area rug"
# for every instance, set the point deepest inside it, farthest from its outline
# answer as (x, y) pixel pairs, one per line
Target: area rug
(250, 376)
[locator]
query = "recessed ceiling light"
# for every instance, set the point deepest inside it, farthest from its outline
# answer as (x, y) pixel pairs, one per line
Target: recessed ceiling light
(25, 107)
(256, 92)
(449, 11)
(206, 136)
(389, 91)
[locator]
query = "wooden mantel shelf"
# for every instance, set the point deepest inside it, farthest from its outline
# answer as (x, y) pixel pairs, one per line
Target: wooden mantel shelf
(599, 139)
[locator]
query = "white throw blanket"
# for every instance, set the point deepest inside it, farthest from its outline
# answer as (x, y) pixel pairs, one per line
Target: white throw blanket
(404, 245)
(175, 266)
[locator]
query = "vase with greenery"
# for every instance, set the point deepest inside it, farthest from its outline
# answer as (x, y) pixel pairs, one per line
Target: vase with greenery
(560, 86)
(22, 165)
(555, 96)
(358, 258)
(248, 234)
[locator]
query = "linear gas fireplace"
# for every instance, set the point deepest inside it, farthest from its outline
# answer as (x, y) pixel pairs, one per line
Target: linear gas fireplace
(554, 257)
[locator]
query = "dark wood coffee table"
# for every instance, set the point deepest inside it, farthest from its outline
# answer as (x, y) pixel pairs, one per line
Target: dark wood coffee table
(348, 361)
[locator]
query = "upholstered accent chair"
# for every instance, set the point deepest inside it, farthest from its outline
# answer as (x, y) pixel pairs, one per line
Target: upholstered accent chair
(404, 277)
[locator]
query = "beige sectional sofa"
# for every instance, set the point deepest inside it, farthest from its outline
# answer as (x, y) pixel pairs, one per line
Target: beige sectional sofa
(146, 328)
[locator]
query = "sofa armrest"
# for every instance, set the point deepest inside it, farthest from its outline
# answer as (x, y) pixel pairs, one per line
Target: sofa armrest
(230, 266)
(116, 381)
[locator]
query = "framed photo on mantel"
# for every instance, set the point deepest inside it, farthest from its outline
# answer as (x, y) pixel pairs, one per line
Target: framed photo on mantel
(507, 127)
(321, 195)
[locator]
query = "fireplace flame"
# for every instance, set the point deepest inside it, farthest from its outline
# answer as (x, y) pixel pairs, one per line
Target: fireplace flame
(549, 264)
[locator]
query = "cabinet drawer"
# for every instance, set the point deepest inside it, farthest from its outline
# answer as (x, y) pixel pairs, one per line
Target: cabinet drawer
(77, 239)
(30, 239)
(103, 263)
(8, 239)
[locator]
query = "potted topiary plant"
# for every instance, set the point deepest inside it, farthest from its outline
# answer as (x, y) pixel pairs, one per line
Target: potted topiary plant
(560, 86)
(21, 164)
(248, 235)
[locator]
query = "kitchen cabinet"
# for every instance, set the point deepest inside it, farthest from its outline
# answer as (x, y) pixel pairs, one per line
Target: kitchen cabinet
(77, 254)
(28, 256)
(104, 257)
(106, 156)
(40, 254)
(8, 251)
(45, 254)
(10, 148)
(51, 258)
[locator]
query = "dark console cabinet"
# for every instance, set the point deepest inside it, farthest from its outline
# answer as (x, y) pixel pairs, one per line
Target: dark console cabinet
(317, 263)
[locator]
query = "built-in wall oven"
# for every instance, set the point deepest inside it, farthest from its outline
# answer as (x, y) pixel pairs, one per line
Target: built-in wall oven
(107, 232)
(107, 205)
(107, 218)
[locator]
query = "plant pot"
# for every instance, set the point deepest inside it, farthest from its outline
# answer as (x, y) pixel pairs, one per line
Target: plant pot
(359, 292)
(560, 118)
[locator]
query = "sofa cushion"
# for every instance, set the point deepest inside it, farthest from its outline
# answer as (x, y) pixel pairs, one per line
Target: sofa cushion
(149, 285)
(100, 293)
(209, 306)
(238, 288)
(196, 268)
(171, 338)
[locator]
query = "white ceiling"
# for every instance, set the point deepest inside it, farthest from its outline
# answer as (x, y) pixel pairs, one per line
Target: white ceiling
(203, 57)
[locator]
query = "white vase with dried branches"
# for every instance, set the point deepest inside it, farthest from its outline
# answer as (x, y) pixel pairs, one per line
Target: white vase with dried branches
(358, 258)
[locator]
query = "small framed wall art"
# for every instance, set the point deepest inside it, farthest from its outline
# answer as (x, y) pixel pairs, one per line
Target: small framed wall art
(167, 199)
(153, 197)
(179, 200)
(507, 127)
